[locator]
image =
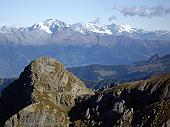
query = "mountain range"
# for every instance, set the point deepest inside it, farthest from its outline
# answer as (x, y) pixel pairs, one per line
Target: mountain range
(46, 94)
(98, 76)
(77, 44)
(50, 31)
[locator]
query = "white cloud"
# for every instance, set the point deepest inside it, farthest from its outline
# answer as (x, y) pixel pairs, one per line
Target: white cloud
(143, 11)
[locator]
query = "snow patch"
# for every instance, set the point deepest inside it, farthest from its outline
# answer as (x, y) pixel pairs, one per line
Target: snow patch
(126, 28)
(44, 27)
(90, 27)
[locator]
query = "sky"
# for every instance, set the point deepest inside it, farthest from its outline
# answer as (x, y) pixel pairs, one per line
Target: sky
(146, 14)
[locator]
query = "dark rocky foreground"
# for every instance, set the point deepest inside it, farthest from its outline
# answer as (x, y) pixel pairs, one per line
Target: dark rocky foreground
(48, 95)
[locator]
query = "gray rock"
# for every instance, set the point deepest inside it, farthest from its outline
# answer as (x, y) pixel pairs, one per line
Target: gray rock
(87, 112)
(118, 107)
(99, 98)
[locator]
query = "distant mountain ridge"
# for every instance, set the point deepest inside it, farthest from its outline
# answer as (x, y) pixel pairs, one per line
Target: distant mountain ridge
(77, 44)
(96, 76)
(48, 30)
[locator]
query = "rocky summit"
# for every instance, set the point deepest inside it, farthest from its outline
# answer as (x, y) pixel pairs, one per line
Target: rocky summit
(47, 95)
(42, 96)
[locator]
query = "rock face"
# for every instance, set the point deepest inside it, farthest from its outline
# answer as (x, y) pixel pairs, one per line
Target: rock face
(42, 96)
(137, 104)
(48, 95)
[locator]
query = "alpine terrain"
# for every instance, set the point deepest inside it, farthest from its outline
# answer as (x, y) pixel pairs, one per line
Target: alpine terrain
(46, 94)
(77, 44)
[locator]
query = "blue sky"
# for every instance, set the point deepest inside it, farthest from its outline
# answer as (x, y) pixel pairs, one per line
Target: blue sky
(146, 14)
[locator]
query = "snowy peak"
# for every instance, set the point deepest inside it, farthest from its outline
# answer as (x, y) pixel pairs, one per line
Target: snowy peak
(97, 29)
(49, 26)
(41, 26)
(90, 27)
(53, 25)
(126, 28)
(116, 28)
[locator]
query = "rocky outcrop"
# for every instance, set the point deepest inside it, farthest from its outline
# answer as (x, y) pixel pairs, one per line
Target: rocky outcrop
(136, 104)
(48, 95)
(42, 96)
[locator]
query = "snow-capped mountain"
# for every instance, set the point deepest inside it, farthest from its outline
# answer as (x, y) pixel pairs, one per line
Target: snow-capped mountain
(78, 44)
(54, 26)
(49, 26)
(6, 29)
(90, 27)
(118, 29)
